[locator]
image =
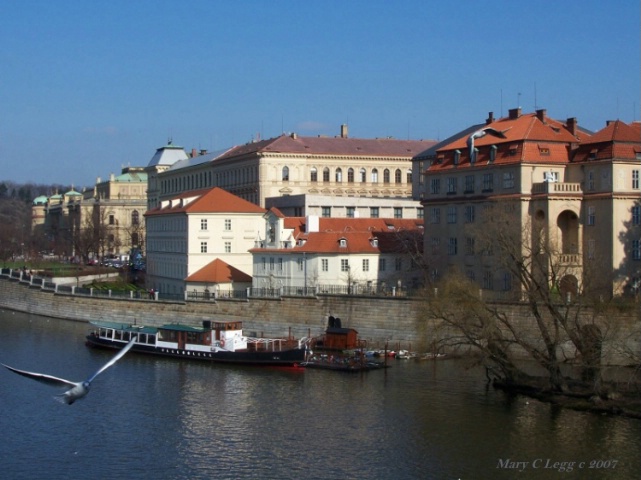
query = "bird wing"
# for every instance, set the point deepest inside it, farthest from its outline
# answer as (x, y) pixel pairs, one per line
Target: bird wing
(495, 132)
(41, 377)
(117, 357)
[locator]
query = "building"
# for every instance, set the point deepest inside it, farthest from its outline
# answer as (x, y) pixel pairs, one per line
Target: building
(559, 184)
(290, 165)
(162, 160)
(337, 255)
(189, 233)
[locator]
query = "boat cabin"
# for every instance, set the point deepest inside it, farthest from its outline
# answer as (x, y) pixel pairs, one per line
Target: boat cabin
(337, 337)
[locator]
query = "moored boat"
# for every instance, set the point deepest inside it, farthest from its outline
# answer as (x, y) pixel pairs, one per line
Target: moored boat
(215, 342)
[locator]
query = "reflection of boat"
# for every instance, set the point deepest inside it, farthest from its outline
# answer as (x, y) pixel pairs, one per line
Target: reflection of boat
(342, 363)
(218, 342)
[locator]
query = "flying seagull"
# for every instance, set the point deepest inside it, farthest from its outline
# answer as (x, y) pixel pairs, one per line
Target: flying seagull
(78, 389)
(481, 133)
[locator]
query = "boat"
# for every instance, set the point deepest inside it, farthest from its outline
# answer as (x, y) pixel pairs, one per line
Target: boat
(341, 363)
(222, 342)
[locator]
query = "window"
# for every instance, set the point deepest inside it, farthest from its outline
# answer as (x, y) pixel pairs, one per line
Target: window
(386, 176)
(451, 185)
(507, 281)
(326, 212)
(457, 157)
(492, 154)
(135, 218)
(469, 184)
(374, 175)
(488, 280)
(326, 174)
(228, 224)
(313, 174)
(350, 212)
(227, 247)
(350, 175)
(339, 175)
(203, 224)
(398, 212)
(409, 177)
(452, 246)
(636, 249)
(591, 215)
(488, 182)
(365, 265)
(203, 247)
(469, 245)
(285, 174)
(363, 174)
(420, 213)
(508, 180)
(112, 220)
(373, 212)
(435, 216)
(435, 186)
(280, 264)
(397, 176)
(324, 264)
(301, 264)
(636, 215)
(381, 264)
(635, 179)
(435, 243)
(470, 213)
(344, 265)
(590, 180)
(451, 214)
(398, 264)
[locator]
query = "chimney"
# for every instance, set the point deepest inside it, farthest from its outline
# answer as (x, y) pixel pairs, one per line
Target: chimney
(294, 136)
(194, 153)
(540, 114)
(571, 124)
(203, 151)
(490, 118)
(514, 113)
(344, 130)
(608, 122)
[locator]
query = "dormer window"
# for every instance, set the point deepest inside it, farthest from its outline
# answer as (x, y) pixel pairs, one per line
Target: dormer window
(493, 149)
(457, 156)
(342, 243)
(373, 242)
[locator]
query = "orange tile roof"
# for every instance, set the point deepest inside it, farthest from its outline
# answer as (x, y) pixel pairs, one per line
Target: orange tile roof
(528, 137)
(218, 271)
(617, 140)
(213, 200)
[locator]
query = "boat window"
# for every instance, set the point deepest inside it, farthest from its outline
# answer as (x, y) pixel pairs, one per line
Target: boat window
(118, 335)
(151, 339)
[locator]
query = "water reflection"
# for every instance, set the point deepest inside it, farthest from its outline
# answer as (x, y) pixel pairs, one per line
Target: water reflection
(167, 419)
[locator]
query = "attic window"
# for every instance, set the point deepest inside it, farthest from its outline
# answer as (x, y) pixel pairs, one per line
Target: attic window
(374, 242)
(301, 242)
(457, 156)
(493, 149)
(594, 151)
(513, 149)
(544, 150)
(342, 242)
(439, 159)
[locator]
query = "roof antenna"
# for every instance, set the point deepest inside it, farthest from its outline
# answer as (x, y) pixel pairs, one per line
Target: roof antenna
(536, 107)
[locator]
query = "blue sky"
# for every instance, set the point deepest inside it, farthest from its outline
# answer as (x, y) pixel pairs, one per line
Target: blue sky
(88, 87)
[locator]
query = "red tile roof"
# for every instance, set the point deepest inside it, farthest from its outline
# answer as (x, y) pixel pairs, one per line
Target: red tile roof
(293, 144)
(218, 271)
(213, 200)
(617, 140)
(531, 137)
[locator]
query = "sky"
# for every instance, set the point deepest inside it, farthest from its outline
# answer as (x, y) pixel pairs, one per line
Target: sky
(87, 88)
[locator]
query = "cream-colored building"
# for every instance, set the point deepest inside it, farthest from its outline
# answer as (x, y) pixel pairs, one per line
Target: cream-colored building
(556, 182)
(289, 165)
(187, 233)
(105, 220)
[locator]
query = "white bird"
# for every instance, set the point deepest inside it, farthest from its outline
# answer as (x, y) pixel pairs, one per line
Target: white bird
(481, 133)
(78, 389)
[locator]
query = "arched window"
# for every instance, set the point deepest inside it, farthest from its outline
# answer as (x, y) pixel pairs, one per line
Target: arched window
(363, 175)
(350, 175)
(285, 176)
(397, 175)
(339, 175)
(326, 174)
(135, 218)
(409, 176)
(314, 174)
(374, 175)
(386, 175)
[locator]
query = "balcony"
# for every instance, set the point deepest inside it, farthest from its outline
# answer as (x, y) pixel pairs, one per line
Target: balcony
(556, 187)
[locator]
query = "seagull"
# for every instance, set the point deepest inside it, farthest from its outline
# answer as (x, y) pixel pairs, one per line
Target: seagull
(481, 133)
(78, 389)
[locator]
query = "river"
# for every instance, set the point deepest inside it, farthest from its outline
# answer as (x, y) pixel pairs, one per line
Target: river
(165, 419)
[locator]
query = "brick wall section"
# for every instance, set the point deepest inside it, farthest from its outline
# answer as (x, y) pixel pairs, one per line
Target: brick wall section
(394, 321)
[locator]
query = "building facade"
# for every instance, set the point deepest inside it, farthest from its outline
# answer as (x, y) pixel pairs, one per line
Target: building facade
(553, 181)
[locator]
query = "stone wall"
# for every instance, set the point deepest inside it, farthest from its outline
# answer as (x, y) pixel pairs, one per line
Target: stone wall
(379, 320)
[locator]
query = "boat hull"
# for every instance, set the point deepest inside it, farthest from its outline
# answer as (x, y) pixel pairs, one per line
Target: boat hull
(289, 357)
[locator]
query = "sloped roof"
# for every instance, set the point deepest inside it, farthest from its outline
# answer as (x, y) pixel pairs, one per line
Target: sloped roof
(293, 144)
(167, 155)
(199, 160)
(212, 200)
(617, 140)
(218, 271)
(528, 137)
